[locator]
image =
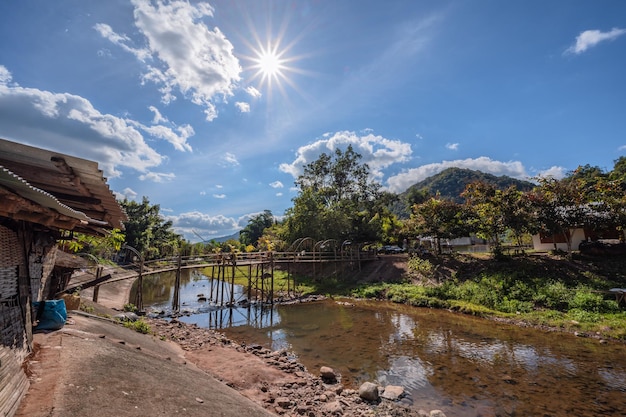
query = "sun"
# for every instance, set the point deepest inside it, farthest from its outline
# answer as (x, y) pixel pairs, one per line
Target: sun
(269, 64)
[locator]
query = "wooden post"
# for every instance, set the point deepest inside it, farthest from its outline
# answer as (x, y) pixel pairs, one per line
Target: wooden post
(176, 298)
(211, 284)
(232, 281)
(222, 269)
(249, 281)
(96, 289)
(272, 279)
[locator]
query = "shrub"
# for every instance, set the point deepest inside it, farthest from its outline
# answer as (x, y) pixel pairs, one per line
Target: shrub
(140, 326)
(421, 266)
(585, 299)
(553, 295)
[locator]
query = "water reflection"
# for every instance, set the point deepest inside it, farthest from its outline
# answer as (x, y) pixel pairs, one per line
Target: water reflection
(462, 365)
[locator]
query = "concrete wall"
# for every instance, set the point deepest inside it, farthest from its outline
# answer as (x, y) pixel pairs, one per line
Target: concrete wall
(577, 237)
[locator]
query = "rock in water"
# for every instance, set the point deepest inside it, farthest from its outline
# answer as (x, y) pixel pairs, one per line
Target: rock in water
(392, 392)
(328, 374)
(369, 391)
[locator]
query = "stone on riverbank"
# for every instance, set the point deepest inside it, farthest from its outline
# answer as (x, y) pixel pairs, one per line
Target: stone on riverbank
(328, 375)
(369, 391)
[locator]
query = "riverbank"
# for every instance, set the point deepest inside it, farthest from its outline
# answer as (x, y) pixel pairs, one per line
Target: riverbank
(273, 380)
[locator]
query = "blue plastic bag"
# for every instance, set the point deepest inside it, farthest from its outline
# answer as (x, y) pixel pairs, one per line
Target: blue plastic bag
(51, 315)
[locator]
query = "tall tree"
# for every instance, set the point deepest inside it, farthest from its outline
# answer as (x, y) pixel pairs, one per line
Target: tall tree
(438, 218)
(147, 231)
(496, 211)
(561, 207)
(250, 234)
(337, 200)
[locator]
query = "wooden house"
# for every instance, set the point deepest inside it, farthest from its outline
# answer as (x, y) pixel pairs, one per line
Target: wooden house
(44, 196)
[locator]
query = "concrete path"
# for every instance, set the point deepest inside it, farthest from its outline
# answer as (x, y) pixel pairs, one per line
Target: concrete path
(93, 367)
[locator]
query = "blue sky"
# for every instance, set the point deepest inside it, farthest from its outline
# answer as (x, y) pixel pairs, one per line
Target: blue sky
(210, 109)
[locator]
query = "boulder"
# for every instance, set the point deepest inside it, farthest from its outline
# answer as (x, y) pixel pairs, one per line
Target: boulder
(392, 392)
(328, 374)
(369, 391)
(437, 413)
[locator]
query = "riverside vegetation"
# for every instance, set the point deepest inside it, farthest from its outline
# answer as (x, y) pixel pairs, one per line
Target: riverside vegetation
(568, 293)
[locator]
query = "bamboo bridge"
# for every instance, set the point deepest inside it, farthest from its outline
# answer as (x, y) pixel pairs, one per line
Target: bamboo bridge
(257, 267)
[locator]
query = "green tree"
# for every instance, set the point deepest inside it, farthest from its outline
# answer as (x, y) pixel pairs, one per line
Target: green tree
(438, 218)
(147, 231)
(561, 206)
(253, 231)
(99, 246)
(337, 200)
(496, 211)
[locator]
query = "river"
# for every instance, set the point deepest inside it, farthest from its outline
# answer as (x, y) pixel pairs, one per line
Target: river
(462, 365)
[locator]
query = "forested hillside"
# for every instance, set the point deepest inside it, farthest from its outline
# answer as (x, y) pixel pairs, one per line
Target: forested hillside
(449, 184)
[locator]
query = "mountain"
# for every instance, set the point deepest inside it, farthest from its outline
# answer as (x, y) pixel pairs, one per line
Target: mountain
(234, 236)
(450, 183)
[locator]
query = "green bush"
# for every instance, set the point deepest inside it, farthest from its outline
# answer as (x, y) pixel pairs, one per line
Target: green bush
(585, 299)
(553, 295)
(421, 266)
(140, 326)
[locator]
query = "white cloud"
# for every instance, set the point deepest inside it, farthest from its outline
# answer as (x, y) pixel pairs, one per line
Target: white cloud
(219, 196)
(205, 225)
(279, 194)
(127, 193)
(376, 151)
(70, 124)
(158, 117)
(253, 92)
(404, 180)
(276, 184)
(177, 136)
(157, 177)
(5, 75)
(243, 106)
(230, 159)
(591, 38)
(182, 54)
(622, 148)
(452, 146)
(418, 136)
(554, 172)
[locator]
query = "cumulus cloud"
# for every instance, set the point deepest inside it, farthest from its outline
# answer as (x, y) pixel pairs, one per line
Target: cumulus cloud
(276, 184)
(70, 124)
(554, 172)
(219, 196)
(203, 224)
(452, 146)
(157, 177)
(590, 38)
(126, 194)
(243, 106)
(182, 55)
(404, 180)
(376, 151)
(253, 92)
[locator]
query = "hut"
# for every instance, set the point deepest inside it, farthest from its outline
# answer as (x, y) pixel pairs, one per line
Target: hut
(45, 196)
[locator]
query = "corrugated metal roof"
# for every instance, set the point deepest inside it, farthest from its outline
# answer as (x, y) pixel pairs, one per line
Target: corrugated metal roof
(74, 188)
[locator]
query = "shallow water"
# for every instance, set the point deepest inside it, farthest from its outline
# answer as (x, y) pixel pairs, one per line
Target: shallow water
(462, 365)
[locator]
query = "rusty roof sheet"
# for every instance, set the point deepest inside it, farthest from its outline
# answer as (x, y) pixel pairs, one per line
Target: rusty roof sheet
(56, 190)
